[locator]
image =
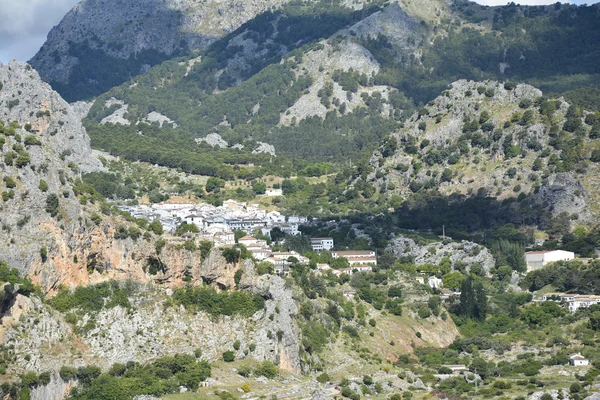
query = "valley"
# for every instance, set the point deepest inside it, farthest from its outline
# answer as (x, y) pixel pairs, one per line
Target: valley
(303, 200)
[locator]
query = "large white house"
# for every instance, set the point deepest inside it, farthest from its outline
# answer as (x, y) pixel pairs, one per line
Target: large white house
(539, 259)
(357, 256)
(320, 244)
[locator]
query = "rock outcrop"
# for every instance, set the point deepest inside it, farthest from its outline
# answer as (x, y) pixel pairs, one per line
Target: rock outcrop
(128, 37)
(153, 328)
(47, 234)
(465, 252)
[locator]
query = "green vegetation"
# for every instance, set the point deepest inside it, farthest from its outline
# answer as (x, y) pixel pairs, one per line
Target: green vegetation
(10, 279)
(124, 381)
(207, 299)
(91, 299)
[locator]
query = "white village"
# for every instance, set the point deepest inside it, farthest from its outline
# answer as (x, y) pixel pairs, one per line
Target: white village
(218, 225)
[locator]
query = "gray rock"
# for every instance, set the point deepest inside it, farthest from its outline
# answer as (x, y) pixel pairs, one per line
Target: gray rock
(57, 389)
(264, 148)
(466, 252)
(213, 139)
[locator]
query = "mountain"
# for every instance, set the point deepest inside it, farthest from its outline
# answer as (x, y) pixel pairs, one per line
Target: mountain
(103, 43)
(57, 230)
(505, 141)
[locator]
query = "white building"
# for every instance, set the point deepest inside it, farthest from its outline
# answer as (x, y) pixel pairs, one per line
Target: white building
(573, 301)
(320, 244)
(270, 192)
(435, 282)
(578, 360)
(539, 259)
(354, 254)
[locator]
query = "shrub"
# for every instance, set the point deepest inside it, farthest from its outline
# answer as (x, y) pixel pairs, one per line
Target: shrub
(323, 378)
(245, 387)
(266, 369)
(228, 356)
(52, 204)
(236, 345)
(43, 185)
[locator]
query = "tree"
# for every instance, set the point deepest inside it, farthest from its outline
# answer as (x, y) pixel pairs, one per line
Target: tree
(156, 227)
(595, 321)
(228, 356)
(52, 204)
(453, 280)
(259, 187)
(473, 299)
(509, 253)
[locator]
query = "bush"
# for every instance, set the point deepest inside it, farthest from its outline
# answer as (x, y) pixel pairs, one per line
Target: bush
(236, 345)
(266, 369)
(43, 185)
(228, 356)
(424, 312)
(206, 298)
(323, 378)
(52, 204)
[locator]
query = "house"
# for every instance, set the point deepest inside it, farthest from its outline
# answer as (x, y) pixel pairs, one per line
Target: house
(248, 240)
(353, 254)
(320, 244)
(435, 282)
(323, 267)
(362, 268)
(195, 220)
(270, 192)
(539, 259)
(225, 237)
(361, 260)
(290, 229)
(578, 360)
(573, 301)
(285, 255)
(259, 253)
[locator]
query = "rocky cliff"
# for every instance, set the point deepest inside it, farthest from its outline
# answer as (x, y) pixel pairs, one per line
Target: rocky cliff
(501, 140)
(153, 327)
(49, 231)
(128, 37)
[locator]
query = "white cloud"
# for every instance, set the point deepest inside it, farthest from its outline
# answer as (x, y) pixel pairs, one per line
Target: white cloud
(26, 23)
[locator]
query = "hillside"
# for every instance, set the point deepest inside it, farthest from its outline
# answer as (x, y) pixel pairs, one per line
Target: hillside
(499, 140)
(328, 83)
(103, 43)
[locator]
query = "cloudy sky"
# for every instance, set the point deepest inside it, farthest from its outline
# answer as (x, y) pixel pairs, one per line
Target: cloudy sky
(25, 23)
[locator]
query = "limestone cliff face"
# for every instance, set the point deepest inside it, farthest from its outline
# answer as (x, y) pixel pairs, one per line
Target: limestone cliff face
(144, 33)
(46, 233)
(54, 149)
(153, 328)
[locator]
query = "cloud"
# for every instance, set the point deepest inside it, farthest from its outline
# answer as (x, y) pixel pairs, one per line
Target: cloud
(26, 23)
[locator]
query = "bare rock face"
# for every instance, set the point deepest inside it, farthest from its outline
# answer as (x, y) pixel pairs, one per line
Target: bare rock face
(46, 233)
(144, 33)
(466, 252)
(153, 328)
(25, 98)
(57, 389)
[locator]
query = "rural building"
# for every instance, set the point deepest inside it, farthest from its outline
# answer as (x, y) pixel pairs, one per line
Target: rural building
(539, 259)
(578, 360)
(320, 244)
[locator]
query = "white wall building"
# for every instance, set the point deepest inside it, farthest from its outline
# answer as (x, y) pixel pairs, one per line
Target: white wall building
(435, 282)
(539, 259)
(320, 244)
(578, 360)
(270, 192)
